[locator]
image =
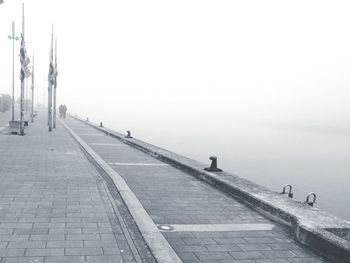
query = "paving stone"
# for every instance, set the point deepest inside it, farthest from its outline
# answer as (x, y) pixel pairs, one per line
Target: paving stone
(13, 252)
(234, 240)
(254, 247)
(104, 259)
(83, 251)
(65, 259)
(44, 252)
(5, 231)
(190, 248)
(23, 260)
(187, 256)
(223, 248)
(65, 231)
(97, 230)
(213, 255)
(100, 243)
(26, 244)
(16, 225)
(83, 237)
(107, 236)
(83, 225)
(279, 254)
(34, 220)
(260, 240)
(113, 251)
(31, 231)
(248, 255)
(3, 244)
(47, 237)
(64, 244)
(13, 237)
(201, 241)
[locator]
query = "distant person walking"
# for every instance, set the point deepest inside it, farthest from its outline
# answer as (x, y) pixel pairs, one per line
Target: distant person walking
(60, 109)
(64, 110)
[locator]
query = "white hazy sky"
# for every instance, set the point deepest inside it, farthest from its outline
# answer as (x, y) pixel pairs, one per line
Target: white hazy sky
(199, 59)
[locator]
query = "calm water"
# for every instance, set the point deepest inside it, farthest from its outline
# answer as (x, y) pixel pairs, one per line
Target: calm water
(311, 158)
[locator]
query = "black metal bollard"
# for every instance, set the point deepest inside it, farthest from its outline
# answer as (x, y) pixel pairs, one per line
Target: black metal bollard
(311, 203)
(128, 135)
(101, 124)
(290, 194)
(213, 167)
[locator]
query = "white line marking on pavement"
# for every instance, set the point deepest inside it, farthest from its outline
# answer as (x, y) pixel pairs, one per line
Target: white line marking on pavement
(106, 144)
(217, 227)
(140, 164)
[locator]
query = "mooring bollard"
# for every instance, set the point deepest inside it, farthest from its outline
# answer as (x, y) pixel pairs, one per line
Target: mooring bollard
(213, 167)
(290, 194)
(128, 135)
(101, 124)
(311, 203)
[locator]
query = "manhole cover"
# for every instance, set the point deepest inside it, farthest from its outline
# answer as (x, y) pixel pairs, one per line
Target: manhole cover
(165, 227)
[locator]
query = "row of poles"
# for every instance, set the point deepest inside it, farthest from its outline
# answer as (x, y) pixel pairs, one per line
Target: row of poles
(26, 73)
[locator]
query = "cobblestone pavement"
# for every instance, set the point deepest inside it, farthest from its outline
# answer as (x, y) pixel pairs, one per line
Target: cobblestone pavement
(54, 207)
(172, 197)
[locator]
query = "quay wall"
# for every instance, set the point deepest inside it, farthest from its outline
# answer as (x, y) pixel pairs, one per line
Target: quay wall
(317, 229)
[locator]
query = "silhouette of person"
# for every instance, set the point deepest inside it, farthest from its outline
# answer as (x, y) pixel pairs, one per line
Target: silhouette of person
(61, 110)
(64, 110)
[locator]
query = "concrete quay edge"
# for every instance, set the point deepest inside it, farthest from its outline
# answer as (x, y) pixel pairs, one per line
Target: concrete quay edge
(159, 246)
(317, 229)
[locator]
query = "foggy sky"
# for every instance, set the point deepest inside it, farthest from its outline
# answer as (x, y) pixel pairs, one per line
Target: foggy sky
(153, 61)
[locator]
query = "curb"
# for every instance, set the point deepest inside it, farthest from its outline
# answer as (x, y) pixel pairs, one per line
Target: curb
(319, 230)
(159, 246)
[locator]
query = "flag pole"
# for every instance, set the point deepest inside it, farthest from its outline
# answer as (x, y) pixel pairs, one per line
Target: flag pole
(50, 84)
(13, 38)
(21, 127)
(55, 86)
(32, 114)
(26, 96)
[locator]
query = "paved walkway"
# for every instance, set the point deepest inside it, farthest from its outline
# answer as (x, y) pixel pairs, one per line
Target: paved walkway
(201, 223)
(54, 207)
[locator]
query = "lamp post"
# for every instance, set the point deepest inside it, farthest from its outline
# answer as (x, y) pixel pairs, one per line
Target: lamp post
(32, 114)
(13, 38)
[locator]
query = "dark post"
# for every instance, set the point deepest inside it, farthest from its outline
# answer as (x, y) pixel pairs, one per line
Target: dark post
(213, 167)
